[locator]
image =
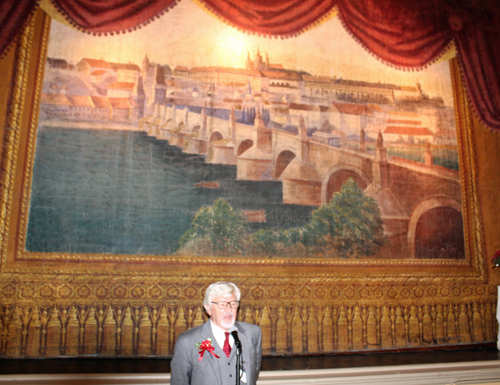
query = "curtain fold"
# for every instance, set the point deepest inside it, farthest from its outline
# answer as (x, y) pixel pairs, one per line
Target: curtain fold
(112, 16)
(407, 37)
(479, 56)
(273, 18)
(404, 34)
(13, 15)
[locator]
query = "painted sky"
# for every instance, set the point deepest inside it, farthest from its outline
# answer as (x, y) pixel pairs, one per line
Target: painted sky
(188, 35)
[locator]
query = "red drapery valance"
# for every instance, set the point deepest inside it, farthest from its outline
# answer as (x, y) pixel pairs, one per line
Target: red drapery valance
(479, 54)
(405, 34)
(408, 37)
(278, 17)
(110, 16)
(13, 15)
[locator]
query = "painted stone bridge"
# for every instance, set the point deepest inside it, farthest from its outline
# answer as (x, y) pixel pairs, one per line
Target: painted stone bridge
(415, 198)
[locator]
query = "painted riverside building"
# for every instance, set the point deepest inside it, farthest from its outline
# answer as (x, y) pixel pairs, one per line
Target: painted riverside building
(89, 108)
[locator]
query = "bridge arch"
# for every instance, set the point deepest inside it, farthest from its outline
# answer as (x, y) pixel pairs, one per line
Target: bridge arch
(169, 124)
(164, 126)
(283, 155)
(243, 145)
(194, 127)
(216, 136)
(283, 147)
(336, 176)
(283, 159)
(435, 230)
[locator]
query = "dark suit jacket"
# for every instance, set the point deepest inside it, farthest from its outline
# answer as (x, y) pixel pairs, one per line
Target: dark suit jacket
(187, 370)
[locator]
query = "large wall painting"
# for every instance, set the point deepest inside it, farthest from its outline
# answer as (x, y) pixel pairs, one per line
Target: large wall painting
(337, 192)
(205, 141)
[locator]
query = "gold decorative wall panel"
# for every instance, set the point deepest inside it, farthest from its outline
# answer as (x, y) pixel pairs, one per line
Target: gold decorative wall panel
(142, 317)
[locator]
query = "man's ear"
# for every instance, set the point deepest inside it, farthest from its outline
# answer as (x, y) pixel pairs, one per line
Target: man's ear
(208, 310)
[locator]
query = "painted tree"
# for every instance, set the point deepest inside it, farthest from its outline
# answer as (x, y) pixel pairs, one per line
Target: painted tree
(220, 224)
(273, 242)
(265, 241)
(349, 225)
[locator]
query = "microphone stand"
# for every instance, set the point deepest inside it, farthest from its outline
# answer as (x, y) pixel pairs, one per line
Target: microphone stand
(239, 354)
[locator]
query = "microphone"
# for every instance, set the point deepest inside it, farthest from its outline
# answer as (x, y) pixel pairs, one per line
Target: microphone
(234, 332)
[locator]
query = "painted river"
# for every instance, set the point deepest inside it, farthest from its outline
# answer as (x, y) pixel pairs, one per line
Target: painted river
(123, 192)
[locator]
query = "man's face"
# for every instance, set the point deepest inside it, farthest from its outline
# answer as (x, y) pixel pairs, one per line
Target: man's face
(222, 318)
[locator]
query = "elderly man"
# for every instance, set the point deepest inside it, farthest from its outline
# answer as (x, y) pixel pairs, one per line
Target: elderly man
(206, 354)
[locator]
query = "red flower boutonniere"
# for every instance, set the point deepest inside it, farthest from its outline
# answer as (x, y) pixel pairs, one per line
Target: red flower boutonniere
(205, 346)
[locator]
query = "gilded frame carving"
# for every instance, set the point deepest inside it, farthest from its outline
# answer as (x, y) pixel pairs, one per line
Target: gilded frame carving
(114, 305)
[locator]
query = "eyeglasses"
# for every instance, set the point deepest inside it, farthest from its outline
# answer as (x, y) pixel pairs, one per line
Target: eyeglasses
(223, 305)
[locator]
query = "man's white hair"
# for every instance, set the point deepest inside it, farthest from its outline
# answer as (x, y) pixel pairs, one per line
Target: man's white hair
(221, 289)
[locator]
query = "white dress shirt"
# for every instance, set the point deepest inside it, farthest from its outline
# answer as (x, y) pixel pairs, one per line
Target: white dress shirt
(220, 337)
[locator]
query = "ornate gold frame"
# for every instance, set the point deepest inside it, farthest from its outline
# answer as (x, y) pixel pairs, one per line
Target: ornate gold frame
(115, 305)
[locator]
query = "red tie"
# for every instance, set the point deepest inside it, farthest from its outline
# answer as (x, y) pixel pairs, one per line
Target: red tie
(227, 347)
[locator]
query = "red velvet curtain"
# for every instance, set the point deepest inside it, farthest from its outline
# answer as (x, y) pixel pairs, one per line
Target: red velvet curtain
(478, 46)
(111, 16)
(408, 37)
(13, 14)
(406, 34)
(268, 17)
